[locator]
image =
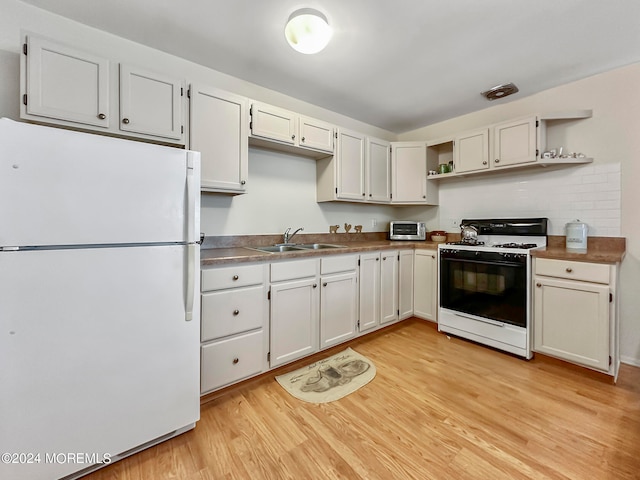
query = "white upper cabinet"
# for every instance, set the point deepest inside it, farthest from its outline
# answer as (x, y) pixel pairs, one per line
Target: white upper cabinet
(409, 174)
(219, 130)
(150, 103)
(378, 170)
(471, 152)
(64, 83)
(315, 134)
(272, 126)
(273, 123)
(514, 142)
(518, 143)
(350, 165)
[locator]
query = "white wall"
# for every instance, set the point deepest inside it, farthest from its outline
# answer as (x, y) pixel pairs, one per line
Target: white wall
(590, 193)
(282, 193)
(610, 137)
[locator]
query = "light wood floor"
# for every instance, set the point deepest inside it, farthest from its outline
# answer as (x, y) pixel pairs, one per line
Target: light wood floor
(439, 408)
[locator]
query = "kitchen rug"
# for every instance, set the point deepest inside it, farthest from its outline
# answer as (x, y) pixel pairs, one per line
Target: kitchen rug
(329, 379)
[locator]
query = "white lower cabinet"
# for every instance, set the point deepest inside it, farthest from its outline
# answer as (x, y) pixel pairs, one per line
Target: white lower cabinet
(294, 310)
(405, 284)
(574, 313)
(230, 360)
(389, 311)
(369, 291)
(338, 299)
(234, 325)
(425, 284)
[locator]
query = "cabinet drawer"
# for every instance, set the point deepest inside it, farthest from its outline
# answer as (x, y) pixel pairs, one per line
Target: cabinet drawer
(338, 263)
(229, 361)
(587, 272)
(295, 269)
(231, 277)
(228, 312)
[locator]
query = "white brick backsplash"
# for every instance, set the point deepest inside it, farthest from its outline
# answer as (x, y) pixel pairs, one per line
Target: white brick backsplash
(590, 193)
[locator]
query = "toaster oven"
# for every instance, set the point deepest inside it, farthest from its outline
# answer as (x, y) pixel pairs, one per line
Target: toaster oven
(407, 230)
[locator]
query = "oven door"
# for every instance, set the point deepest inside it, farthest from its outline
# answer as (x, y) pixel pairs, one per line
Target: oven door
(491, 285)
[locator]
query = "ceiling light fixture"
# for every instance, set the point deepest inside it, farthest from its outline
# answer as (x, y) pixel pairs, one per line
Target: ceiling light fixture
(308, 31)
(500, 91)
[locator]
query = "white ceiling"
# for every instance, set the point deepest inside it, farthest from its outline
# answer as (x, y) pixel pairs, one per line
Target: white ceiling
(398, 65)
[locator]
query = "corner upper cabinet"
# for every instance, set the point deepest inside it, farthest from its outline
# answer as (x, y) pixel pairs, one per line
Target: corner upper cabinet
(151, 103)
(64, 83)
(273, 127)
(218, 129)
(514, 142)
(409, 175)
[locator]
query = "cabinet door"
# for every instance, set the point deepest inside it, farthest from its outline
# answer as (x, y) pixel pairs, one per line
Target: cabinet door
(369, 300)
(150, 103)
(471, 152)
(571, 321)
(273, 123)
(409, 172)
(514, 142)
(350, 165)
(405, 286)
(388, 286)
(294, 320)
(338, 309)
(218, 129)
(425, 284)
(378, 170)
(316, 135)
(66, 84)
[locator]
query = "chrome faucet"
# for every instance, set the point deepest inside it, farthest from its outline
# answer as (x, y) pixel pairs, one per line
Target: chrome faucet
(287, 236)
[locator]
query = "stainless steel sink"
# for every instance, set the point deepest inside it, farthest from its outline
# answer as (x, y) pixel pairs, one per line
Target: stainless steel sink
(295, 248)
(276, 248)
(318, 246)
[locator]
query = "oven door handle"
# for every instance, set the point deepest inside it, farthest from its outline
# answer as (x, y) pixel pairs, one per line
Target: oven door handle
(484, 320)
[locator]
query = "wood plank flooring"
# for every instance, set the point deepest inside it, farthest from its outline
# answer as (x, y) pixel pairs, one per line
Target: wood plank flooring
(439, 408)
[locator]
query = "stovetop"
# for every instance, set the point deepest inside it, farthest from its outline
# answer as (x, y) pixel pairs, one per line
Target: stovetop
(505, 235)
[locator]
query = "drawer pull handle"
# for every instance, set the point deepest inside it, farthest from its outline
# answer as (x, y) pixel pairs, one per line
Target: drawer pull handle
(538, 285)
(569, 269)
(102, 116)
(315, 285)
(125, 121)
(236, 312)
(236, 360)
(235, 277)
(324, 284)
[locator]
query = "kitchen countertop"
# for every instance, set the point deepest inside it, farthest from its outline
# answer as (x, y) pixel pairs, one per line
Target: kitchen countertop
(235, 249)
(599, 250)
(240, 254)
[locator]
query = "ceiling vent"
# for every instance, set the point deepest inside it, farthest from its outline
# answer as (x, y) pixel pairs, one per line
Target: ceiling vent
(500, 91)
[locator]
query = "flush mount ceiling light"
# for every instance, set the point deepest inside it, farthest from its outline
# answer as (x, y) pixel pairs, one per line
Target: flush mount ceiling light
(500, 91)
(308, 31)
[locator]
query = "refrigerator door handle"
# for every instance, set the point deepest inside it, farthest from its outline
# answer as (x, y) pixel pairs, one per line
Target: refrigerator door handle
(191, 199)
(190, 283)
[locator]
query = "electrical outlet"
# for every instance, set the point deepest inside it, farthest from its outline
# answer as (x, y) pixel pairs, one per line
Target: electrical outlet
(374, 222)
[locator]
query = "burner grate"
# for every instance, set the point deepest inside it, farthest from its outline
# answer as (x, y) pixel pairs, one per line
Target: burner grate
(516, 245)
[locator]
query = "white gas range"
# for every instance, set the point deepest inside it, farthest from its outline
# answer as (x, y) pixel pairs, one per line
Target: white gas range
(484, 289)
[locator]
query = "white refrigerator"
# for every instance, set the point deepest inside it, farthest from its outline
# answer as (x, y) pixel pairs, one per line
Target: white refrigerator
(99, 304)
